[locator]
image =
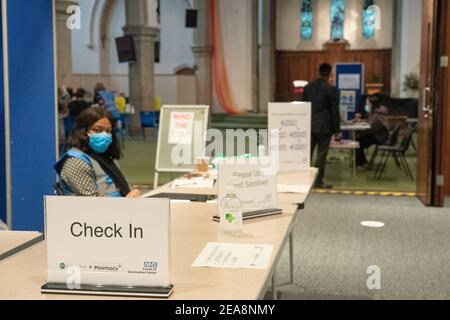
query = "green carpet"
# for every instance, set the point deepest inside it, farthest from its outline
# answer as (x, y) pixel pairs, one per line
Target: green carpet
(338, 174)
(138, 165)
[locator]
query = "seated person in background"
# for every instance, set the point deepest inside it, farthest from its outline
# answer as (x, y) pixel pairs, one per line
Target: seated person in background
(379, 132)
(89, 168)
(79, 104)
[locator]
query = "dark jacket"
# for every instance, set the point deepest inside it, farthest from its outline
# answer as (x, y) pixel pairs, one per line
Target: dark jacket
(324, 99)
(76, 107)
(380, 125)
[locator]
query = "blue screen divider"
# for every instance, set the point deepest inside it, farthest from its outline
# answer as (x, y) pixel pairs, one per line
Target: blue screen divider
(32, 110)
(2, 134)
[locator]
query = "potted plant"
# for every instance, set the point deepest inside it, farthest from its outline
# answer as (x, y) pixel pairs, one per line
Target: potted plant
(375, 85)
(411, 85)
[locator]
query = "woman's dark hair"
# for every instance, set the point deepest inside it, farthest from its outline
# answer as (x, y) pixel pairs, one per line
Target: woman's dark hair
(80, 93)
(375, 102)
(79, 138)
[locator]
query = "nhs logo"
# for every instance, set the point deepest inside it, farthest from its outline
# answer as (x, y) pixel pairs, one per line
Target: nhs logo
(152, 265)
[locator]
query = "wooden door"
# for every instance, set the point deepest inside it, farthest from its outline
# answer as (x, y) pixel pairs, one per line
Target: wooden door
(429, 179)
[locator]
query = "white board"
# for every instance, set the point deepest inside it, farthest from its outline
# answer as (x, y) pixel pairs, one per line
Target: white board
(182, 127)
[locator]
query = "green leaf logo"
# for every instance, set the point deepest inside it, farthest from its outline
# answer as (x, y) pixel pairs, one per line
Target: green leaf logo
(230, 217)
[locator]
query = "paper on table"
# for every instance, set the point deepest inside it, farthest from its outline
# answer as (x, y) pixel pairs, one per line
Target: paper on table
(293, 188)
(234, 256)
(193, 183)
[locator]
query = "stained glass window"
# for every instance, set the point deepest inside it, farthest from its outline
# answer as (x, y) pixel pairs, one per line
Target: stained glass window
(306, 18)
(337, 19)
(369, 16)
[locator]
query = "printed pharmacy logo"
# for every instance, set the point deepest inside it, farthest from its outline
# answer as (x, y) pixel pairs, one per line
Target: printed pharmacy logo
(74, 20)
(62, 265)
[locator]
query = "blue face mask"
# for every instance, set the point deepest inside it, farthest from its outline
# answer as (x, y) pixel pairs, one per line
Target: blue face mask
(100, 142)
(368, 108)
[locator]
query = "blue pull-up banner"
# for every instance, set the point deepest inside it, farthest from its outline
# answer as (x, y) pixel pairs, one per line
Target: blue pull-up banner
(350, 83)
(32, 110)
(3, 209)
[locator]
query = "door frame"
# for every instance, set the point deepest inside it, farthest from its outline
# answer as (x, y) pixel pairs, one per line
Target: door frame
(433, 80)
(441, 103)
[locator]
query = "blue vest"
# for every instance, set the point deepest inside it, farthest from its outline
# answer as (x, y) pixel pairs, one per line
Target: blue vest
(105, 185)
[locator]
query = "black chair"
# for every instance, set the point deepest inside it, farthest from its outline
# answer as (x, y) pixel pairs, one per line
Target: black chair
(393, 140)
(58, 189)
(397, 152)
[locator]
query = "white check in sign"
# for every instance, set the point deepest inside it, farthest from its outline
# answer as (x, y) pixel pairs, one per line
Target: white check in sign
(108, 241)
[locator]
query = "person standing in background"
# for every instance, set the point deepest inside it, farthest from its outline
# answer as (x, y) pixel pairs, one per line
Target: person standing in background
(324, 100)
(98, 87)
(79, 104)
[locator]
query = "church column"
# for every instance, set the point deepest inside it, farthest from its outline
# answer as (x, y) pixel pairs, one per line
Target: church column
(142, 25)
(267, 54)
(202, 50)
(63, 43)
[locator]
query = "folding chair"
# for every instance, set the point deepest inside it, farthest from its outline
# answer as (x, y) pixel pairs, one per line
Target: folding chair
(393, 139)
(149, 119)
(397, 152)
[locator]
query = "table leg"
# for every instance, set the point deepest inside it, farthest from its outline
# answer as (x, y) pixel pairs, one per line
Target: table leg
(353, 157)
(291, 255)
(274, 286)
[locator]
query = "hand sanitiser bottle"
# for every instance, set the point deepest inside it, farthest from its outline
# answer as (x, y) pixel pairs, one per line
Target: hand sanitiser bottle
(231, 213)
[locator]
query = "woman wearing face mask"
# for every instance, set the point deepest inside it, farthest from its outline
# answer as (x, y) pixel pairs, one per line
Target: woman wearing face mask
(89, 168)
(363, 113)
(379, 132)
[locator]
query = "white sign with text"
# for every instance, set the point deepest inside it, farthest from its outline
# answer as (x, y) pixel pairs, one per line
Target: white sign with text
(181, 128)
(108, 241)
(254, 186)
(292, 123)
(349, 81)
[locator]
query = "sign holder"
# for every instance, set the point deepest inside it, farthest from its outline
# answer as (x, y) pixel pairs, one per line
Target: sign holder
(142, 292)
(167, 139)
(293, 123)
(110, 267)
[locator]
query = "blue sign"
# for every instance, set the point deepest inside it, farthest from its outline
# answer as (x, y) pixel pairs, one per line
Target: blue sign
(350, 83)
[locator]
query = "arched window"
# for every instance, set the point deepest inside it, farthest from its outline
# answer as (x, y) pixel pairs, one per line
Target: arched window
(369, 16)
(306, 18)
(337, 19)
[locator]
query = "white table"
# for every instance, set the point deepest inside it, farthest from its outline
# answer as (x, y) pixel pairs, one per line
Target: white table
(354, 127)
(13, 242)
(351, 146)
(22, 276)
